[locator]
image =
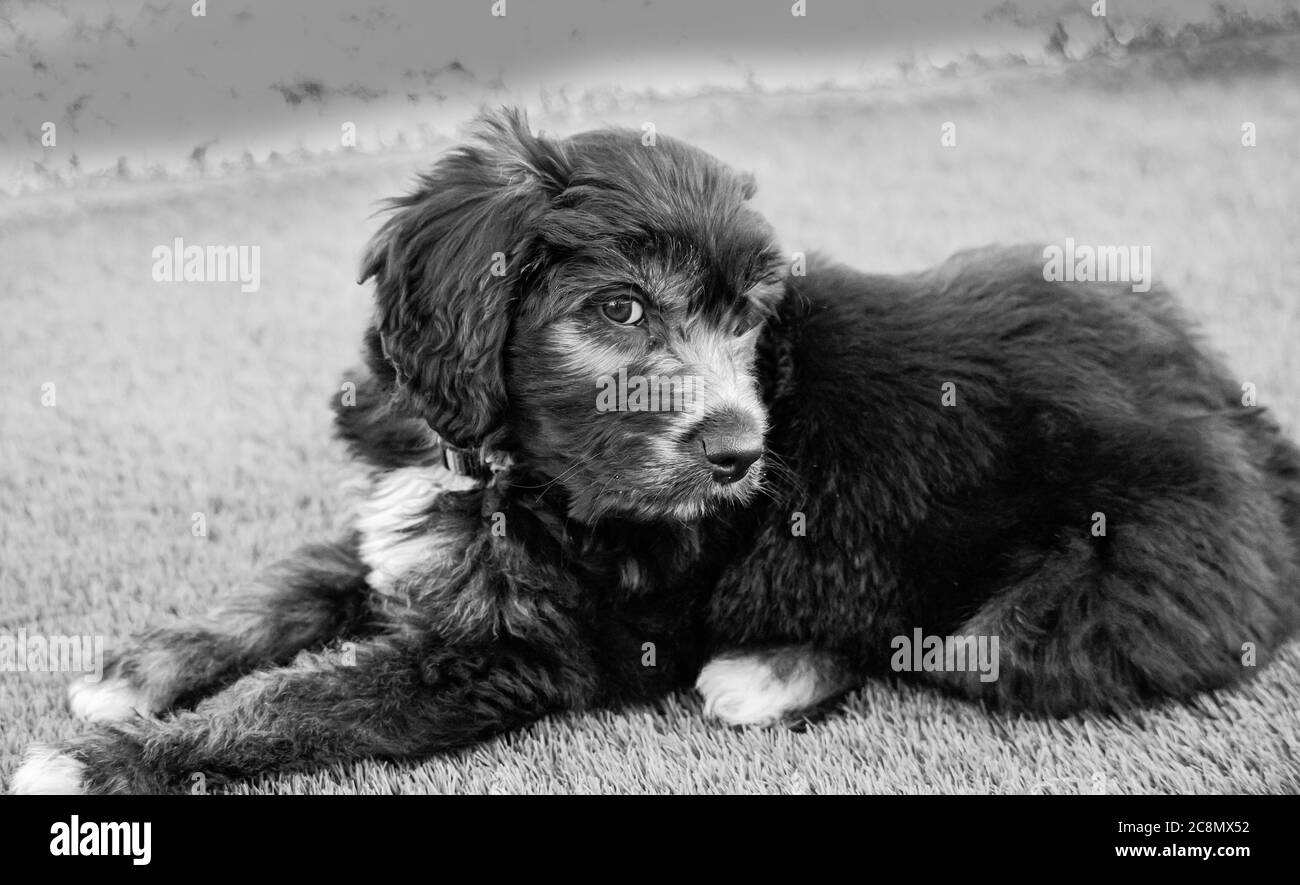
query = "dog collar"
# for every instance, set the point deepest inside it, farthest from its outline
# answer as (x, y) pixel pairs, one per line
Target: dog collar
(466, 462)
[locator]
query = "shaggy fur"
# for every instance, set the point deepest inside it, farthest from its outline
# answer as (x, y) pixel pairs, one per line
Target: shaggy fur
(824, 493)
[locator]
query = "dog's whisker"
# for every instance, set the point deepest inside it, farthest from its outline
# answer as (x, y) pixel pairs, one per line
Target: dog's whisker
(545, 486)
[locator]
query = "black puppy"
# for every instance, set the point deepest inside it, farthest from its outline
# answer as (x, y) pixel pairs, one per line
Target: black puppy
(611, 437)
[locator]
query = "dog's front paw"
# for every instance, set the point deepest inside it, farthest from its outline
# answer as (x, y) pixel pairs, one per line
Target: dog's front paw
(748, 689)
(47, 771)
(111, 699)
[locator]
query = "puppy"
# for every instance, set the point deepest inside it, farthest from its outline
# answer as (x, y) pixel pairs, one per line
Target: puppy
(611, 444)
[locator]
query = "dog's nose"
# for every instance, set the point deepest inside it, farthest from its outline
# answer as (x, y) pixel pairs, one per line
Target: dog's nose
(731, 451)
(731, 458)
(731, 442)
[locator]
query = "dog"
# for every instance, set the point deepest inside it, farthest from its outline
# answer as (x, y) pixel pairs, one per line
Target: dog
(615, 441)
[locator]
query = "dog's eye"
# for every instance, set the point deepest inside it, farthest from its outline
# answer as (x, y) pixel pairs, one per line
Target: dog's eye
(623, 311)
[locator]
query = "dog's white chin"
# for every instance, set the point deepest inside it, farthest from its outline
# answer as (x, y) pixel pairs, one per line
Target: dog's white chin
(705, 499)
(713, 499)
(725, 497)
(697, 509)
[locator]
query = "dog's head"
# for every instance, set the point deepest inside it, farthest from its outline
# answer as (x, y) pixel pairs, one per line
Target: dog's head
(590, 303)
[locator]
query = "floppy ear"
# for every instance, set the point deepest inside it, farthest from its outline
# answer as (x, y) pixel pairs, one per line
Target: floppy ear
(448, 266)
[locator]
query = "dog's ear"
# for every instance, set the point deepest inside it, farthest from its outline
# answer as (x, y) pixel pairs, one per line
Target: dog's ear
(448, 267)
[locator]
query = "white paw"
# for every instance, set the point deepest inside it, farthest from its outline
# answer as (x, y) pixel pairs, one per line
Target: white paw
(46, 771)
(108, 700)
(743, 690)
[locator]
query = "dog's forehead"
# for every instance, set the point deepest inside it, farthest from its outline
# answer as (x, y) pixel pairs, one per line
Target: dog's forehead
(677, 274)
(666, 180)
(692, 277)
(667, 218)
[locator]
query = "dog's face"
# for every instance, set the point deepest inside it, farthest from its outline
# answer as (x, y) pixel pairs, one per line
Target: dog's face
(595, 304)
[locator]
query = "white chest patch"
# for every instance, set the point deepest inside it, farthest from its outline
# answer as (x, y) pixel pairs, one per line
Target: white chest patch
(388, 519)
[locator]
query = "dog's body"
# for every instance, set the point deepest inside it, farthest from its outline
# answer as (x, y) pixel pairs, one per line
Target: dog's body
(971, 451)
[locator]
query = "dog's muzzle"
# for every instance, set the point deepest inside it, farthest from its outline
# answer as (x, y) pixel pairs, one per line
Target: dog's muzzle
(730, 442)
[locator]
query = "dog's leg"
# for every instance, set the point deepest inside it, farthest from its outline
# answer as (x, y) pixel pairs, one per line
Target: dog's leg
(402, 698)
(766, 686)
(313, 597)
